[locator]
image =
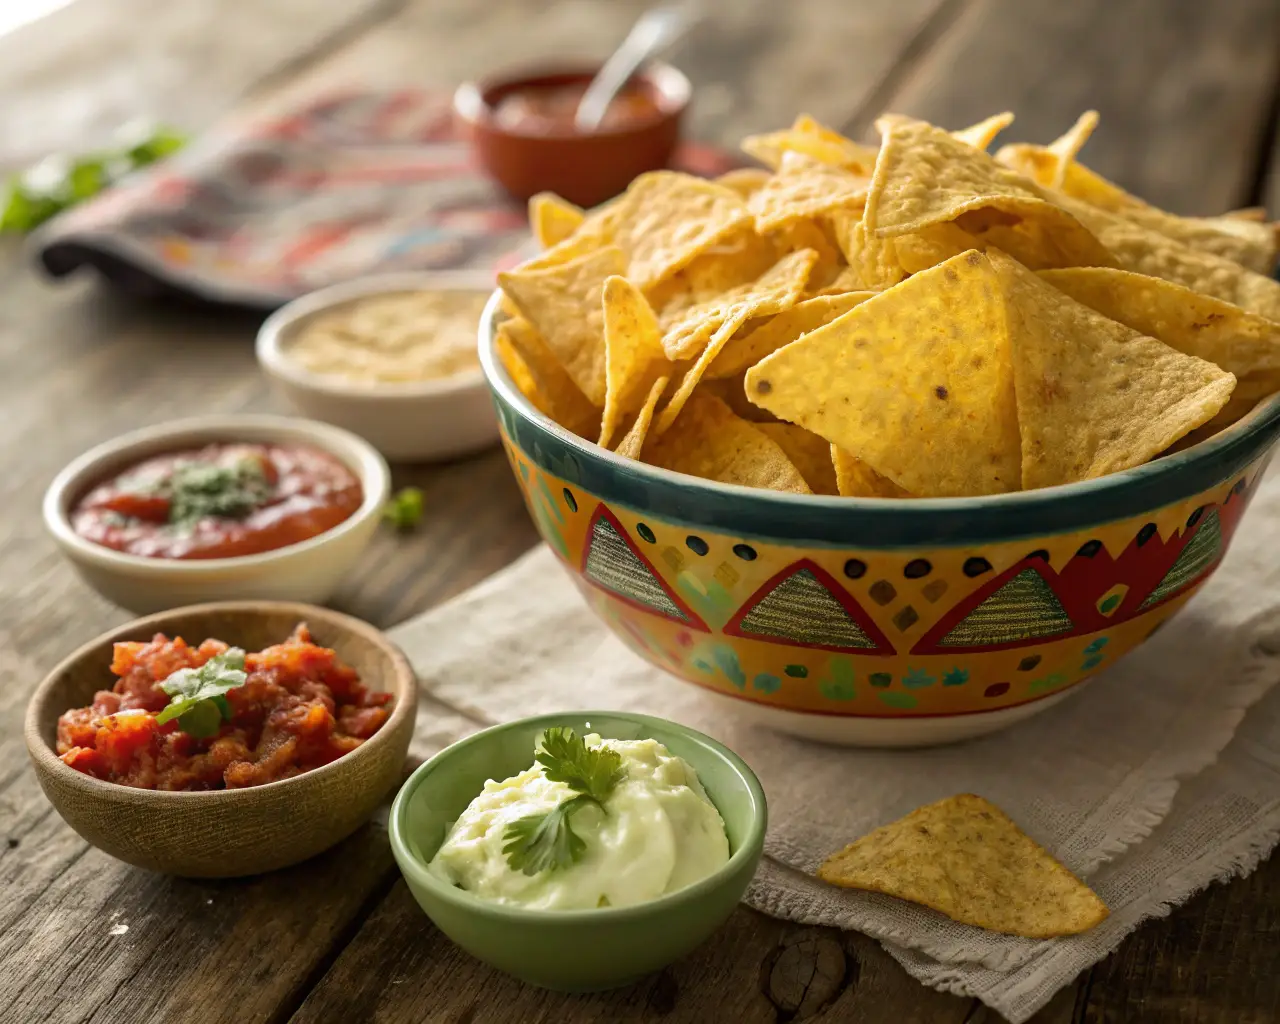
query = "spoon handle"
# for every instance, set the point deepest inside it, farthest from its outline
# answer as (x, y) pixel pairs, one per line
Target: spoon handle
(656, 29)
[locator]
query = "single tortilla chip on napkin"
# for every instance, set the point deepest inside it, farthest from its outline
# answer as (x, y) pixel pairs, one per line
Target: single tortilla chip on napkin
(925, 394)
(633, 353)
(808, 453)
(927, 176)
(563, 302)
(1095, 396)
(745, 350)
(553, 219)
(803, 189)
(855, 479)
(708, 440)
(965, 858)
(632, 443)
(1240, 342)
(541, 379)
(665, 219)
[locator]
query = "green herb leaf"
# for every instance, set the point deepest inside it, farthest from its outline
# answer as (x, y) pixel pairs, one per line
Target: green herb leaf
(404, 510)
(199, 489)
(566, 758)
(544, 842)
(199, 694)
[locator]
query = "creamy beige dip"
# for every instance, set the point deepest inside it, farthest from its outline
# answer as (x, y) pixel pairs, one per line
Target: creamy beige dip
(395, 337)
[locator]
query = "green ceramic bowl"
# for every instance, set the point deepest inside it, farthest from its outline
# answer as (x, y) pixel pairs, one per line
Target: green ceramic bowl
(577, 950)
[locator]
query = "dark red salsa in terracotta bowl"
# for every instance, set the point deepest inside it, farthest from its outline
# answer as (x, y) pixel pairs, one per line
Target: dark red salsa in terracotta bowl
(219, 501)
(215, 717)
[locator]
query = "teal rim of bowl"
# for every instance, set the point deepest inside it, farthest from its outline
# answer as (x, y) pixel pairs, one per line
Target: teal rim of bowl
(877, 522)
(410, 864)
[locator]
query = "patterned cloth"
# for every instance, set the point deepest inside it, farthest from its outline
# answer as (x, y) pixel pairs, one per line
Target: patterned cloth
(258, 214)
(1135, 782)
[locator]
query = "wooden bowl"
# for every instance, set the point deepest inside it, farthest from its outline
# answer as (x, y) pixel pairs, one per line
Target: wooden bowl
(227, 833)
(585, 169)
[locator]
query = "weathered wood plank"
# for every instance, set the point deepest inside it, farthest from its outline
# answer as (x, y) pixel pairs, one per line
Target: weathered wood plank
(1184, 87)
(1213, 961)
(72, 78)
(401, 970)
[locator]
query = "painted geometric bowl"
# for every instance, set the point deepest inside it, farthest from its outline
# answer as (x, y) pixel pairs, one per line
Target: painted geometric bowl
(880, 622)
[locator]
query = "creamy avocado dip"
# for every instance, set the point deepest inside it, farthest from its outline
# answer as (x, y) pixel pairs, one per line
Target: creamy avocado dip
(655, 832)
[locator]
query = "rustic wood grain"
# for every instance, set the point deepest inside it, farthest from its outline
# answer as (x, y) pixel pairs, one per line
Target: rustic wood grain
(1213, 961)
(1184, 87)
(74, 77)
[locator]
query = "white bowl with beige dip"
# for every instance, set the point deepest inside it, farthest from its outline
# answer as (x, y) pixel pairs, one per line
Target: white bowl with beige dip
(391, 358)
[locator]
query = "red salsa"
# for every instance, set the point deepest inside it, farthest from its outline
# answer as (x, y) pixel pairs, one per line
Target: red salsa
(297, 707)
(550, 109)
(220, 501)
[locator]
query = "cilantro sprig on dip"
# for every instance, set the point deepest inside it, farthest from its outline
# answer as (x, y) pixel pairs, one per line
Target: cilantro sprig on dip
(199, 695)
(591, 823)
(544, 842)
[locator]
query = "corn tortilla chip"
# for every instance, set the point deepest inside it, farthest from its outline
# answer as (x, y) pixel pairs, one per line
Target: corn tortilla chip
(744, 180)
(633, 354)
(710, 442)
(553, 219)
(686, 331)
(874, 259)
(666, 219)
(980, 135)
(743, 351)
(965, 858)
(925, 394)
(855, 479)
(930, 246)
(802, 189)
(632, 443)
(1094, 396)
(1242, 343)
(1247, 242)
(847, 280)
(563, 303)
(541, 378)
(1146, 251)
(732, 262)
(809, 138)
(809, 453)
(1068, 145)
(926, 176)
(776, 291)
(733, 392)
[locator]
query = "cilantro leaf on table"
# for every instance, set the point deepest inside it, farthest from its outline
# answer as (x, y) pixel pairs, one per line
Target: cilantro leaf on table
(404, 509)
(199, 694)
(545, 842)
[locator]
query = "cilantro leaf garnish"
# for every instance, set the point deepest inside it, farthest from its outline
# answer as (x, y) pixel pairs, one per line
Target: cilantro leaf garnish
(199, 694)
(199, 489)
(404, 509)
(545, 842)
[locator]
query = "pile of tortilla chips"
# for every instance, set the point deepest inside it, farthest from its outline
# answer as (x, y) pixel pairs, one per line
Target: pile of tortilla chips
(919, 320)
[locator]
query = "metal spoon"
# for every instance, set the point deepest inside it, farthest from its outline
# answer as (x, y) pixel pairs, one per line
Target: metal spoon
(657, 29)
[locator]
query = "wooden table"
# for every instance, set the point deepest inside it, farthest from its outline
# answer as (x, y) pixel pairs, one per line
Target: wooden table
(1187, 91)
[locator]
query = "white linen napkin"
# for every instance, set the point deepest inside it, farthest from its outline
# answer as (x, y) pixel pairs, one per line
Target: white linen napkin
(1088, 779)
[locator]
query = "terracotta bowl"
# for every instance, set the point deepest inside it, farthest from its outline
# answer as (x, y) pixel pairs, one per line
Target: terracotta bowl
(585, 169)
(227, 833)
(880, 622)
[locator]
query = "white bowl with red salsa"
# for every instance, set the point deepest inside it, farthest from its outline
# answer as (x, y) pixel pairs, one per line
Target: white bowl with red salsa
(219, 508)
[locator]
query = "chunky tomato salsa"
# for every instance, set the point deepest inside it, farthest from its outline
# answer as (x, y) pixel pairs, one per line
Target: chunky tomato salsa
(220, 501)
(214, 717)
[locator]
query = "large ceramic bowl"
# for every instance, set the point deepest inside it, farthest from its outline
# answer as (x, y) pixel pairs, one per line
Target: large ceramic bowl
(875, 621)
